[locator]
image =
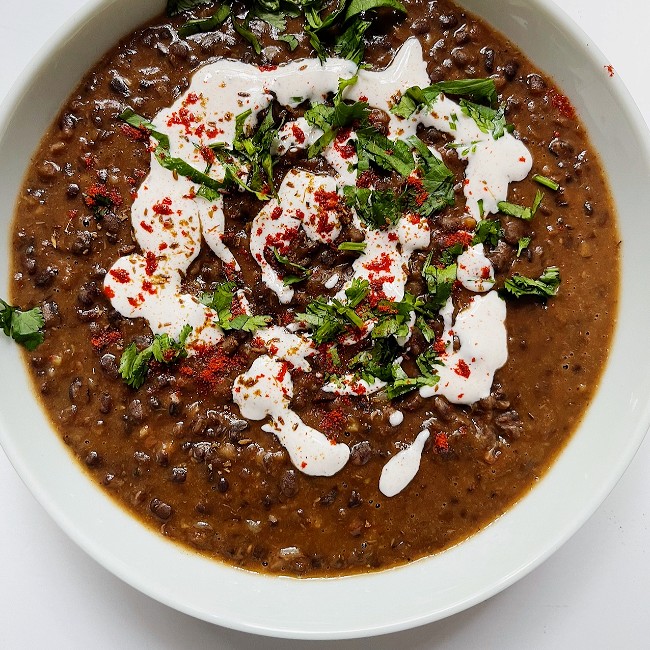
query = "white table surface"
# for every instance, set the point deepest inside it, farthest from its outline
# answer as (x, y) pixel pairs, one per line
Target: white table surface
(593, 593)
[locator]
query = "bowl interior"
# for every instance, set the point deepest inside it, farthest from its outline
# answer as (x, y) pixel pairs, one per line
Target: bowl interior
(429, 589)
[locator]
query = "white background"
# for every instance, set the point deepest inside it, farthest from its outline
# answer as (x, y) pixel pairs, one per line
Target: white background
(593, 593)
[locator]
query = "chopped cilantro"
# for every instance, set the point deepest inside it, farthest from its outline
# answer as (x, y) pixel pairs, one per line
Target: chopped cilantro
(285, 261)
(545, 286)
(161, 152)
(487, 230)
(450, 254)
(24, 327)
(546, 182)
(489, 120)
(246, 323)
(332, 118)
(205, 24)
(329, 319)
(344, 25)
(373, 146)
(520, 211)
(134, 365)
(414, 98)
(522, 245)
(358, 247)
(220, 300)
(253, 151)
(376, 208)
(175, 7)
(440, 282)
(436, 179)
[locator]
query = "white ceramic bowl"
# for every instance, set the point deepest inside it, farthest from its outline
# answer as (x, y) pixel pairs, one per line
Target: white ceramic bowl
(426, 590)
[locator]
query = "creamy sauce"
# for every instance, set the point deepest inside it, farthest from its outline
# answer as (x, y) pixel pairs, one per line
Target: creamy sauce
(169, 220)
(475, 271)
(469, 371)
(265, 390)
(401, 469)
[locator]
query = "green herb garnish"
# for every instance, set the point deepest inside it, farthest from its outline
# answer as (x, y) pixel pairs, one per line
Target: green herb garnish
(487, 230)
(220, 300)
(24, 327)
(522, 245)
(328, 319)
(358, 247)
(546, 182)
(520, 211)
(414, 98)
(285, 261)
(488, 120)
(175, 7)
(205, 24)
(332, 118)
(134, 365)
(161, 152)
(440, 282)
(545, 286)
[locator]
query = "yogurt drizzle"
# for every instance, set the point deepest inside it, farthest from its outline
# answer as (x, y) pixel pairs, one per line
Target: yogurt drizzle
(169, 220)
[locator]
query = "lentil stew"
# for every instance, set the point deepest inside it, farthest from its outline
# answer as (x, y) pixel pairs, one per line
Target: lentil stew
(177, 447)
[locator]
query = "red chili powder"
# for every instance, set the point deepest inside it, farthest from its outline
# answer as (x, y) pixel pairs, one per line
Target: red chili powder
(563, 105)
(441, 441)
(105, 339)
(152, 263)
(133, 133)
(121, 275)
(381, 264)
(164, 207)
(298, 133)
(462, 369)
(334, 421)
(460, 237)
(327, 200)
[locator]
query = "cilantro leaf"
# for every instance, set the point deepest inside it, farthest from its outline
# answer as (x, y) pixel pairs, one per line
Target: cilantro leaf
(487, 230)
(487, 119)
(376, 208)
(253, 151)
(242, 28)
(344, 19)
(522, 245)
(175, 7)
(220, 300)
(24, 327)
(545, 286)
(440, 282)
(395, 317)
(403, 384)
(358, 247)
(246, 323)
(373, 146)
(332, 118)
(285, 261)
(520, 211)
(329, 319)
(134, 365)
(450, 253)
(357, 7)
(546, 182)
(162, 154)
(436, 178)
(199, 25)
(350, 45)
(290, 39)
(414, 98)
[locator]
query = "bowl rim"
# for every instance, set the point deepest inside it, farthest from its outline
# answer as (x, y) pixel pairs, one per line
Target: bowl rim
(116, 564)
